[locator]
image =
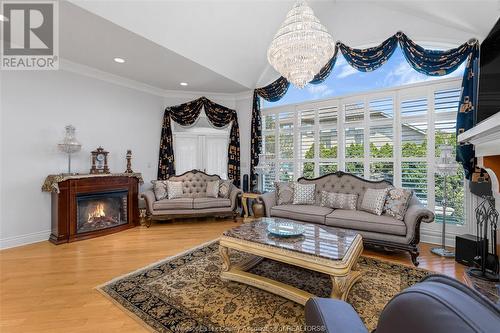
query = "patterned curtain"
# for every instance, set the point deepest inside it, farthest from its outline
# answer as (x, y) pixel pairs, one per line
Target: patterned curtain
(271, 93)
(465, 116)
(185, 115)
(429, 62)
(432, 62)
(367, 60)
(437, 63)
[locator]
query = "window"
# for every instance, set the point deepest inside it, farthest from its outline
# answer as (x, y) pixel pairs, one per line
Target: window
(394, 134)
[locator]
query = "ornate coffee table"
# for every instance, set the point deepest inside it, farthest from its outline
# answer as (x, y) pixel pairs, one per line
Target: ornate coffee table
(321, 248)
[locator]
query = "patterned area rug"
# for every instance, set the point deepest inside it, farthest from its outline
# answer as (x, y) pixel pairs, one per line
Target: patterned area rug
(185, 294)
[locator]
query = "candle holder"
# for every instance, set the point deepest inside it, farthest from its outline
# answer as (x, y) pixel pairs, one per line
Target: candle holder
(129, 161)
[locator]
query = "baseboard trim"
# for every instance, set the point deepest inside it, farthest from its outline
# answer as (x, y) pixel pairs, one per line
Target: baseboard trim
(426, 236)
(433, 237)
(15, 241)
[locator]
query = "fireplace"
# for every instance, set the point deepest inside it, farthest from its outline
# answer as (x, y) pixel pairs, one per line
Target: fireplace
(87, 206)
(97, 211)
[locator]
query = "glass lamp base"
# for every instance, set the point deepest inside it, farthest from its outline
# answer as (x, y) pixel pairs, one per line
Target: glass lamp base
(443, 252)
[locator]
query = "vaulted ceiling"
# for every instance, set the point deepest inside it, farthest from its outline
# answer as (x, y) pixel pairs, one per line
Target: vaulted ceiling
(220, 46)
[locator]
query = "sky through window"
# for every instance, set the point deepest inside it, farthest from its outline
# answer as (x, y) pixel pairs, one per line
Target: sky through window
(345, 80)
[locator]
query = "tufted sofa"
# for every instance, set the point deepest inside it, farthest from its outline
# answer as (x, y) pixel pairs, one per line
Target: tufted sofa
(194, 202)
(383, 231)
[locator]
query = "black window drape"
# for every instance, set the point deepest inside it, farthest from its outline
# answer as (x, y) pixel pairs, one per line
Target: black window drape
(185, 115)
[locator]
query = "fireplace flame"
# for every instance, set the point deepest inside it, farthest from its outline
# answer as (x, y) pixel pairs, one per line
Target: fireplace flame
(97, 213)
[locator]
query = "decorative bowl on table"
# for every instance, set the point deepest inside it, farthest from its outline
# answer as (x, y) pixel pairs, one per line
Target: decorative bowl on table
(285, 229)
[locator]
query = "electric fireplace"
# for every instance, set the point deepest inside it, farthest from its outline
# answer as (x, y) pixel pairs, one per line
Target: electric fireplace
(102, 210)
(87, 206)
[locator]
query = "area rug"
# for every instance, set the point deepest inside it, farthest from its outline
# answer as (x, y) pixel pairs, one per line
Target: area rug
(185, 294)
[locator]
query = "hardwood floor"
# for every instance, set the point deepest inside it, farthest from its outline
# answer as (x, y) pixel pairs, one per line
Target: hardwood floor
(48, 288)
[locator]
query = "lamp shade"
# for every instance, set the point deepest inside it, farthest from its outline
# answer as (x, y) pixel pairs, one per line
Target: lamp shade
(70, 144)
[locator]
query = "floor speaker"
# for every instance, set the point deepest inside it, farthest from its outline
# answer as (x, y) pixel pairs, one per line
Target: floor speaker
(466, 248)
(245, 183)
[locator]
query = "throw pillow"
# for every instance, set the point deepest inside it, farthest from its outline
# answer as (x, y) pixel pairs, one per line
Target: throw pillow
(213, 189)
(303, 194)
(339, 200)
(160, 189)
(284, 193)
(374, 200)
(225, 188)
(397, 201)
(174, 189)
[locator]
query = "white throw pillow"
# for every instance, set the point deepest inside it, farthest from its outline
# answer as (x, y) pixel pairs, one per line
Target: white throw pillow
(160, 189)
(339, 200)
(374, 200)
(303, 194)
(213, 189)
(174, 190)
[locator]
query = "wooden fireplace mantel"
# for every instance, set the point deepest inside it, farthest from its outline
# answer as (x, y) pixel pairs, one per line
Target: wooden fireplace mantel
(64, 204)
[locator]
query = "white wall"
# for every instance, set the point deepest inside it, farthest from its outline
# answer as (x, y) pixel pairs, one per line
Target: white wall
(35, 107)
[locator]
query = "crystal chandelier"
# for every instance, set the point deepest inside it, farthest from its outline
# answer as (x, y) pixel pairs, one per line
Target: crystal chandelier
(301, 47)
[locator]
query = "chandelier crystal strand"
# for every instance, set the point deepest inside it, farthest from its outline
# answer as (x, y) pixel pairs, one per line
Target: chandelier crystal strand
(301, 47)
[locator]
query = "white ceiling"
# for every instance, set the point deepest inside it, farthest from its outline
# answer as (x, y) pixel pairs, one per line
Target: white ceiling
(90, 40)
(220, 46)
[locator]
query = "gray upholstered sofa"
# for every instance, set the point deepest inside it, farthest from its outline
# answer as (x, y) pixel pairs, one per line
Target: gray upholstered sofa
(383, 231)
(194, 202)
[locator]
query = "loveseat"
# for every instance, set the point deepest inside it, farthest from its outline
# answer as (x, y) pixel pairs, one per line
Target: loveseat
(382, 231)
(194, 201)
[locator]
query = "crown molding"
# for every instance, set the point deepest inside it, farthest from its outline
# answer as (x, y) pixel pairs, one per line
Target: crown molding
(70, 66)
(73, 67)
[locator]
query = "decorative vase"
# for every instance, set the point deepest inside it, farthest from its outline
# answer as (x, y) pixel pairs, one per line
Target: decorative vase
(258, 209)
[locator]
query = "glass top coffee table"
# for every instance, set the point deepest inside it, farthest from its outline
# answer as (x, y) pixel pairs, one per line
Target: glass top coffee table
(321, 248)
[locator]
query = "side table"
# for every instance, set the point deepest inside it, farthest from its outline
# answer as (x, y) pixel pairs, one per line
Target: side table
(244, 201)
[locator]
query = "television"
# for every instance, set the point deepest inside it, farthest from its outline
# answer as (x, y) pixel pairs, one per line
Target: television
(489, 76)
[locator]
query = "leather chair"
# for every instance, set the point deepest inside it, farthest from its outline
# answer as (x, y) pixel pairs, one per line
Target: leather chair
(438, 304)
